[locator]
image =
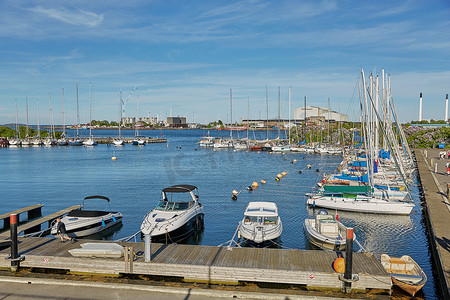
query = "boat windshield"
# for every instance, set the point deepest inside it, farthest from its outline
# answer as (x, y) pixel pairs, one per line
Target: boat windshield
(171, 206)
(261, 220)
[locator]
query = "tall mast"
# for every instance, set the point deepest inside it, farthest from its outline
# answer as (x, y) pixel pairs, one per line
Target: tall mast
(305, 124)
(17, 121)
(120, 111)
(26, 99)
(248, 114)
(267, 110)
(231, 115)
(329, 117)
(90, 109)
(289, 127)
(38, 126)
(78, 113)
(64, 116)
(279, 105)
(52, 126)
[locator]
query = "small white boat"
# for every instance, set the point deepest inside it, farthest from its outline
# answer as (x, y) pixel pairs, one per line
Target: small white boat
(81, 222)
(177, 215)
(405, 273)
(105, 250)
(326, 232)
(223, 144)
(138, 140)
(261, 224)
(281, 148)
(48, 142)
(14, 142)
(37, 142)
(207, 141)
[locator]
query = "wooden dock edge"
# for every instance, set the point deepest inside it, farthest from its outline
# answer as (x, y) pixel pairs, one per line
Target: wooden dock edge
(203, 273)
(435, 253)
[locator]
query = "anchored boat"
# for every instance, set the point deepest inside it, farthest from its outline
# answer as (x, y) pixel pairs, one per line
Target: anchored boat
(261, 224)
(177, 215)
(82, 222)
(326, 232)
(405, 273)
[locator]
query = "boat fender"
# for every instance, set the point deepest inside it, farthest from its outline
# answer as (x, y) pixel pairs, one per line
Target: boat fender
(339, 265)
(114, 219)
(234, 197)
(103, 223)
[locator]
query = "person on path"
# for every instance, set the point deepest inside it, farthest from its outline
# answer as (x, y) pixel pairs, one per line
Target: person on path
(448, 167)
(61, 231)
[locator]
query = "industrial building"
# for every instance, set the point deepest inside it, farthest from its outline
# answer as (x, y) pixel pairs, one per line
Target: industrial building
(314, 113)
(178, 122)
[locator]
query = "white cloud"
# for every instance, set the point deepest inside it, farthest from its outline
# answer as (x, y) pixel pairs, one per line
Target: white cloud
(71, 16)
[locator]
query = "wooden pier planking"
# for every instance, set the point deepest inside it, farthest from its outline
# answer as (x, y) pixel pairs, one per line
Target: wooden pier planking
(32, 210)
(37, 223)
(210, 264)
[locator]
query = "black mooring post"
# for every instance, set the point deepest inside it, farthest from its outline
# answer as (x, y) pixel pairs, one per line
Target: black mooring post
(14, 249)
(348, 260)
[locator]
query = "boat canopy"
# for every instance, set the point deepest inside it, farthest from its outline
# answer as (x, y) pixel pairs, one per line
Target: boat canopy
(97, 197)
(181, 188)
(261, 209)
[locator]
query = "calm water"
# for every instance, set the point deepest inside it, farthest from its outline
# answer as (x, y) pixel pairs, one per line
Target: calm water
(59, 177)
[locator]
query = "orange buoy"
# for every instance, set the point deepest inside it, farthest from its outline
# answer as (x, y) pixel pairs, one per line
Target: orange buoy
(113, 158)
(339, 265)
(235, 192)
(263, 181)
(284, 173)
(254, 184)
(279, 176)
(295, 160)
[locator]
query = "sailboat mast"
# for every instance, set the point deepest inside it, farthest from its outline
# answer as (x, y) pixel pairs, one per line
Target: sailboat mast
(120, 111)
(64, 115)
(26, 100)
(90, 109)
(279, 105)
(78, 113)
(289, 127)
(305, 123)
(231, 115)
(248, 114)
(329, 117)
(267, 111)
(38, 126)
(17, 120)
(52, 126)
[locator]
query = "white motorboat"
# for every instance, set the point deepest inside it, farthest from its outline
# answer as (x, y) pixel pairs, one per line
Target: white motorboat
(82, 222)
(281, 148)
(326, 232)
(90, 142)
(207, 141)
(223, 144)
(261, 224)
(138, 140)
(360, 203)
(177, 215)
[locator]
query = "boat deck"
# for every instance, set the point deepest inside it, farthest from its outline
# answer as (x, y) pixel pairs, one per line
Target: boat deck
(310, 268)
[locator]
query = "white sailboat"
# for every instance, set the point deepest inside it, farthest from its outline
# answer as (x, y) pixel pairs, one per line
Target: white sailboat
(63, 141)
(15, 141)
(77, 140)
(90, 141)
(119, 141)
(50, 140)
(26, 142)
(37, 141)
(138, 139)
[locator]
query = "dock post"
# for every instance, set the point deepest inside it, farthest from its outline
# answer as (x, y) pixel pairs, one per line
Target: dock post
(435, 168)
(348, 261)
(14, 249)
(148, 248)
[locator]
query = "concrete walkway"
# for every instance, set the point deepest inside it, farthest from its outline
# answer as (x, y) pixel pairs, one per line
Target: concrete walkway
(434, 180)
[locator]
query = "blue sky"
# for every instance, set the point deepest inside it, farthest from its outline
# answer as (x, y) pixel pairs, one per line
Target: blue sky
(185, 56)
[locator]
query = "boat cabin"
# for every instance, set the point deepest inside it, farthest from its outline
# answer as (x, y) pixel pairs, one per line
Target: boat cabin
(177, 198)
(327, 225)
(261, 213)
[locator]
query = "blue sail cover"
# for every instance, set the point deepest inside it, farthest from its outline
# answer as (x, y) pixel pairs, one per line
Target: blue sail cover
(363, 178)
(362, 163)
(302, 142)
(385, 154)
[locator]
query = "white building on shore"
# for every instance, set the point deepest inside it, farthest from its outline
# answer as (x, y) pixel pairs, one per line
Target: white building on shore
(314, 113)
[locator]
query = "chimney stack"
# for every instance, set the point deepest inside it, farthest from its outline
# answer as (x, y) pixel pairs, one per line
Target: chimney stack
(420, 108)
(446, 108)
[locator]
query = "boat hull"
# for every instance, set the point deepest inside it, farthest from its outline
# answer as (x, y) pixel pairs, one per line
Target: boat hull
(83, 227)
(366, 205)
(322, 241)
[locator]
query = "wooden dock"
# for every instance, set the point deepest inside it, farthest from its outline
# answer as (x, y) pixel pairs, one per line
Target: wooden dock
(33, 211)
(35, 225)
(436, 212)
(309, 268)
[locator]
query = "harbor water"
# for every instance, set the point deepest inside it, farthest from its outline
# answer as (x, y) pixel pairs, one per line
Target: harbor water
(59, 177)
